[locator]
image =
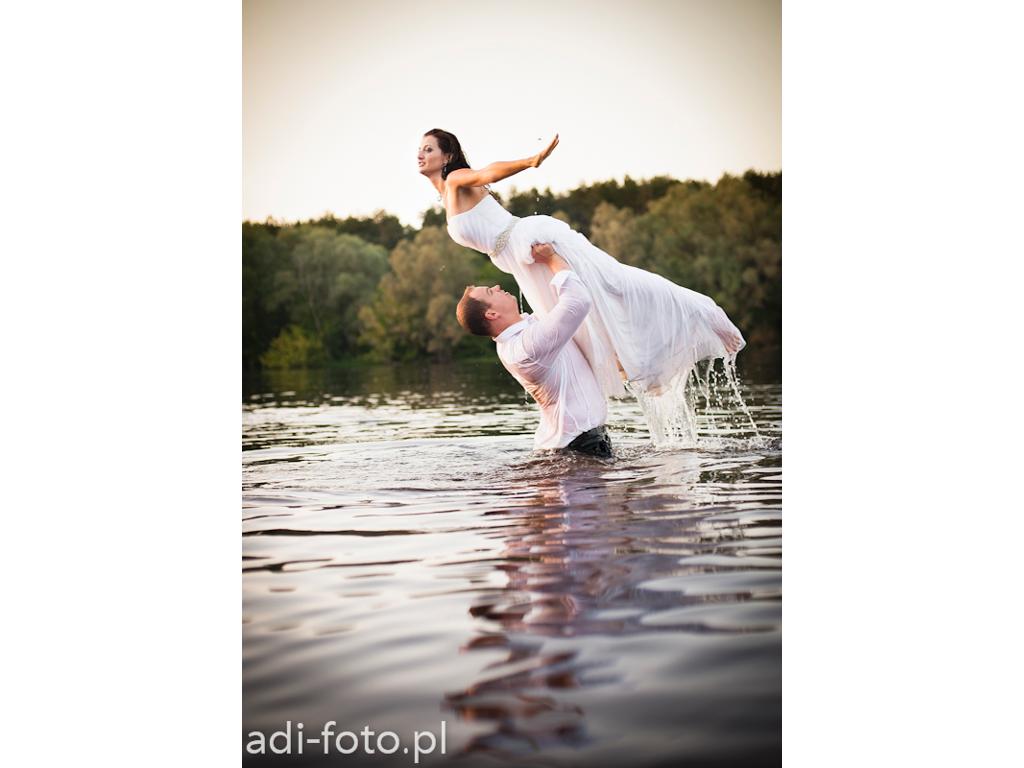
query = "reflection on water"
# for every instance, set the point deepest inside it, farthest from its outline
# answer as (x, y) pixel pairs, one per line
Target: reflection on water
(408, 559)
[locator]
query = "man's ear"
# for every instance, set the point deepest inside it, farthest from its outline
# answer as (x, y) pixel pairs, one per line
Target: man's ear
(490, 314)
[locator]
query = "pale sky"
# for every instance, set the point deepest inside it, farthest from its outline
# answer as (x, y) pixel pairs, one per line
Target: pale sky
(337, 95)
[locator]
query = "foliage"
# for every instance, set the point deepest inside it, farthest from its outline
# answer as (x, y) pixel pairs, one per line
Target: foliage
(292, 348)
(262, 255)
(723, 240)
(320, 281)
(334, 289)
(578, 206)
(435, 217)
(382, 228)
(413, 310)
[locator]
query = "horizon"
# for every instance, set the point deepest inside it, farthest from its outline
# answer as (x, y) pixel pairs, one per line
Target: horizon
(511, 192)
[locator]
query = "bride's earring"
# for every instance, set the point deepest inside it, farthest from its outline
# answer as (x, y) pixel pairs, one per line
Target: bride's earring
(444, 170)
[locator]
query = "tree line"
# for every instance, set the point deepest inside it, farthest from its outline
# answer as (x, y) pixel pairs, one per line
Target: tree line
(327, 290)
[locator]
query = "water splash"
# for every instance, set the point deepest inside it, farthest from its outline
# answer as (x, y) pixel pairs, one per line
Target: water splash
(729, 367)
(526, 394)
(699, 408)
(671, 413)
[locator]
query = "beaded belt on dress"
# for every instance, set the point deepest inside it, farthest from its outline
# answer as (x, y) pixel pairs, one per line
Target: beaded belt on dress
(502, 239)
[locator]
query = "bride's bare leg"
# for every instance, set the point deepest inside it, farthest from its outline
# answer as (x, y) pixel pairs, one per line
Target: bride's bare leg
(622, 371)
(731, 341)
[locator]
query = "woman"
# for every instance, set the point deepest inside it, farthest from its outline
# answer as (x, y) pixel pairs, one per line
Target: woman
(641, 327)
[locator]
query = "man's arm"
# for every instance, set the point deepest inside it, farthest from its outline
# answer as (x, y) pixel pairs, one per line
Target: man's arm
(550, 334)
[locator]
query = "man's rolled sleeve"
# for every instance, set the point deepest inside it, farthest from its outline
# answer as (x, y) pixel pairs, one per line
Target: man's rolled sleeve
(560, 278)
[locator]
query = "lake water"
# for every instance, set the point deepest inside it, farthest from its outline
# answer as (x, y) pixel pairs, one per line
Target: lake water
(408, 561)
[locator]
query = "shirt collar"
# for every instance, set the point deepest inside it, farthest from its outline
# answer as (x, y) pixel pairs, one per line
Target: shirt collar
(515, 329)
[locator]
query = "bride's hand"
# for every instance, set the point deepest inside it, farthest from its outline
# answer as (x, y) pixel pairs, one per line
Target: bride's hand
(540, 158)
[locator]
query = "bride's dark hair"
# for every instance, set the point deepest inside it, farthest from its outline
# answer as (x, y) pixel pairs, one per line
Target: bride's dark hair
(449, 145)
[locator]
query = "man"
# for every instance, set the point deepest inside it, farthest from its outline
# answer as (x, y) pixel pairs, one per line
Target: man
(540, 354)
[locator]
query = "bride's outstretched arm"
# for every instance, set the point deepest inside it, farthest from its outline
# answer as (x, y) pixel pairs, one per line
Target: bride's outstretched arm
(467, 177)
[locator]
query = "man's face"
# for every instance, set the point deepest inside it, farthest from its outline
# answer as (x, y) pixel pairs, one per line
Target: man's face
(502, 302)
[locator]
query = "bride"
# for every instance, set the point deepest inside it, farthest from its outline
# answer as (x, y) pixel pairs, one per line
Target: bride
(641, 327)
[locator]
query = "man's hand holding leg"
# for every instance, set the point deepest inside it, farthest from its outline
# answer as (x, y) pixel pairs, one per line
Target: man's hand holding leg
(543, 253)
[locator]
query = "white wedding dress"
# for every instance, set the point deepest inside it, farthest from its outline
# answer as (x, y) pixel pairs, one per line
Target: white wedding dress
(655, 329)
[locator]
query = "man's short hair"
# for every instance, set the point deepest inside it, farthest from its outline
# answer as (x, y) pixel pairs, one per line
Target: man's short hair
(470, 313)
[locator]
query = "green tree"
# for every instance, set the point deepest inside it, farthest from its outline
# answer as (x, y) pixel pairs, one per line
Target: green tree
(263, 255)
(612, 230)
(382, 228)
(723, 240)
(579, 205)
(328, 277)
(413, 311)
(435, 217)
(292, 348)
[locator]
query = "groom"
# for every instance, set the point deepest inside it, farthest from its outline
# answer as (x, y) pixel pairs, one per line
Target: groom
(540, 354)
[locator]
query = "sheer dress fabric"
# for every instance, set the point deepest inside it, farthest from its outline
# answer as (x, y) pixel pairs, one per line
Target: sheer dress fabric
(656, 330)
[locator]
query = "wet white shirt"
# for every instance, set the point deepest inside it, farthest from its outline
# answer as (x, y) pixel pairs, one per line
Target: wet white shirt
(542, 357)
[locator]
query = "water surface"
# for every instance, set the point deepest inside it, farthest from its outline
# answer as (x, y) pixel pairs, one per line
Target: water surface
(407, 560)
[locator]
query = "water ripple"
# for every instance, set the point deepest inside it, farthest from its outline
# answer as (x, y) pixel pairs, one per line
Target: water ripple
(406, 554)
